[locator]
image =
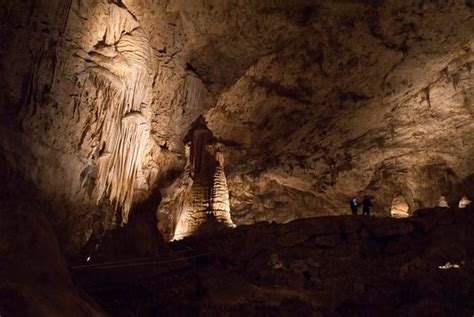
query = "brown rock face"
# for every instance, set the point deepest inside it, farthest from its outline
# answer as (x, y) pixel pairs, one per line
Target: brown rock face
(315, 101)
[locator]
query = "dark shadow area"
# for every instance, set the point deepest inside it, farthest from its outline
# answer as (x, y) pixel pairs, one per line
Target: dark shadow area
(138, 238)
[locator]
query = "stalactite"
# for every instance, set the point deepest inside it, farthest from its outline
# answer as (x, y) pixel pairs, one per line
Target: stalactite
(65, 15)
(124, 134)
(118, 172)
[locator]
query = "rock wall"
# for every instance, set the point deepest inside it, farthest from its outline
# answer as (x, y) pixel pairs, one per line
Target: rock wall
(369, 105)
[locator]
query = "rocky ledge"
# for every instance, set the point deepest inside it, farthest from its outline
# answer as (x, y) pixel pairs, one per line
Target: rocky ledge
(339, 266)
(325, 266)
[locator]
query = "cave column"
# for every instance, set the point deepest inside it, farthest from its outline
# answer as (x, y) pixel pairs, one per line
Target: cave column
(219, 196)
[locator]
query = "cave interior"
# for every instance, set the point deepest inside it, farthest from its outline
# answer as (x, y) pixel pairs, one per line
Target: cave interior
(202, 157)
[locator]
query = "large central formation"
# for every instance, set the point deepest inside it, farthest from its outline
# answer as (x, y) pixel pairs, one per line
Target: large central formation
(204, 204)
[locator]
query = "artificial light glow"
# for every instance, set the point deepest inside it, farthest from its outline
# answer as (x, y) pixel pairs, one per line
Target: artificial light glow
(449, 266)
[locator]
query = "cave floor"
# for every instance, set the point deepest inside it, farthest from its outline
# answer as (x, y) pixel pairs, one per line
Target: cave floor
(325, 266)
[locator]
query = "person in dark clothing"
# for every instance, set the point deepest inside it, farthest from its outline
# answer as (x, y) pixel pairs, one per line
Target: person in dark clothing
(354, 206)
(366, 204)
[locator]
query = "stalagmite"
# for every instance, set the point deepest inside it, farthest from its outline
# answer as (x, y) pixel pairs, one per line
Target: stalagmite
(464, 202)
(400, 207)
(443, 202)
(220, 205)
(200, 197)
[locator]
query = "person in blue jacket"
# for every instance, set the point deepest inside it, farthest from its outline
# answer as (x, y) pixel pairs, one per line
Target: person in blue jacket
(354, 206)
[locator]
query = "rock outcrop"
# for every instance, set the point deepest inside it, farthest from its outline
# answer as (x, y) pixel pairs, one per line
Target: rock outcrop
(400, 208)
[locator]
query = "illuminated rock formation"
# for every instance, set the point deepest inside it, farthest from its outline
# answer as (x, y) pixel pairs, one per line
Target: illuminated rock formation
(122, 74)
(219, 197)
(443, 202)
(400, 208)
(464, 202)
(204, 202)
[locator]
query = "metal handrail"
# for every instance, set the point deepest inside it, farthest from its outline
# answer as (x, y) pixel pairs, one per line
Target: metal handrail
(129, 263)
(154, 262)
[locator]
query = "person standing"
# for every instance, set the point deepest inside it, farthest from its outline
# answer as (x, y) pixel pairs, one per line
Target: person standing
(354, 206)
(366, 204)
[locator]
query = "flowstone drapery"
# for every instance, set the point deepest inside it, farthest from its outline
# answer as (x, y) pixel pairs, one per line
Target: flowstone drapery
(122, 72)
